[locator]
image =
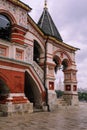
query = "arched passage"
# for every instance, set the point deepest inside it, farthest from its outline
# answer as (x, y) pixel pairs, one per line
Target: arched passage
(4, 90)
(32, 91)
(57, 61)
(62, 62)
(38, 50)
(65, 64)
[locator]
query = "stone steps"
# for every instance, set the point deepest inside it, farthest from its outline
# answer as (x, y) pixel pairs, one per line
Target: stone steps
(61, 102)
(37, 110)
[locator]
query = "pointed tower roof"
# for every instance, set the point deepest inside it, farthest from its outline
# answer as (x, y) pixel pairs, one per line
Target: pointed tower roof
(47, 25)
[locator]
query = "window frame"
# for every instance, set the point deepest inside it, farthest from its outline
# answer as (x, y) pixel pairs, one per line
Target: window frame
(20, 51)
(6, 51)
(5, 34)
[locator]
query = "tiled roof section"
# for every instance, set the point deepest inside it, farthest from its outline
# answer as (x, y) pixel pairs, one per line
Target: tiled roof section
(47, 25)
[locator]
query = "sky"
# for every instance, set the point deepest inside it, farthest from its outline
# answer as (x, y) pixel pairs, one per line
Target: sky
(70, 17)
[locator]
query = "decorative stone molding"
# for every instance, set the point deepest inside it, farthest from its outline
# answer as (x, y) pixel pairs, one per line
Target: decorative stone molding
(29, 54)
(18, 33)
(38, 70)
(19, 13)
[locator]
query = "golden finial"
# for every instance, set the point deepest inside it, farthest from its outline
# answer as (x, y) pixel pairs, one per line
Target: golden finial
(45, 4)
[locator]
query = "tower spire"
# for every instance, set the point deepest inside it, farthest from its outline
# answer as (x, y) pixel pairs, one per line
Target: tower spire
(45, 4)
(47, 25)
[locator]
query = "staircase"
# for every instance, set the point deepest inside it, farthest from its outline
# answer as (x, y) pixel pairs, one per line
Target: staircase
(38, 70)
(61, 102)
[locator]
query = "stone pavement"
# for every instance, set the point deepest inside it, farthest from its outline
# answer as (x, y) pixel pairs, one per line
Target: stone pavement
(65, 118)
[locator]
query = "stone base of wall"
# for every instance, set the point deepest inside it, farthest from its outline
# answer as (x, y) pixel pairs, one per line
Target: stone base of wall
(71, 99)
(52, 100)
(10, 109)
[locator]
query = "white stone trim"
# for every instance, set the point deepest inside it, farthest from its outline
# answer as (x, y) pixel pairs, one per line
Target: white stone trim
(36, 80)
(11, 68)
(16, 94)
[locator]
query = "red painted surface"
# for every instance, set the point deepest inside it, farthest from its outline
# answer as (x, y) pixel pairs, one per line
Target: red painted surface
(74, 87)
(51, 85)
(15, 100)
(14, 80)
(68, 87)
(18, 33)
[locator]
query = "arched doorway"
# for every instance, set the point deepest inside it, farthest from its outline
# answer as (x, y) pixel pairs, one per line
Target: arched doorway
(32, 91)
(36, 57)
(59, 76)
(60, 66)
(38, 51)
(4, 90)
(64, 63)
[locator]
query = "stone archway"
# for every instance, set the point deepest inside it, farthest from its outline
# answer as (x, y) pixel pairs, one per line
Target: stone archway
(62, 62)
(4, 90)
(57, 61)
(32, 91)
(37, 52)
(9, 15)
(59, 74)
(65, 62)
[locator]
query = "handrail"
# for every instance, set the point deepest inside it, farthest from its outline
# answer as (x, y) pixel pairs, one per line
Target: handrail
(38, 70)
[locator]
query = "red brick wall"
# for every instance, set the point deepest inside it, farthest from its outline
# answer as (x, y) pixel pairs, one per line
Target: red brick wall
(14, 80)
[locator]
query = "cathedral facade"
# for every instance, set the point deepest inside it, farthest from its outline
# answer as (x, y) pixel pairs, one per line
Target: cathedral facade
(30, 54)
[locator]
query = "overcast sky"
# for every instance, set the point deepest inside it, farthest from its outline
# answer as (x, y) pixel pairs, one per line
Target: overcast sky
(70, 17)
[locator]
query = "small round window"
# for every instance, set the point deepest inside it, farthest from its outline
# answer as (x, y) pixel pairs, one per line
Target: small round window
(5, 27)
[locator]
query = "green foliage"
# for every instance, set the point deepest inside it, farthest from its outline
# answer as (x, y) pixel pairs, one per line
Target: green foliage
(82, 96)
(59, 93)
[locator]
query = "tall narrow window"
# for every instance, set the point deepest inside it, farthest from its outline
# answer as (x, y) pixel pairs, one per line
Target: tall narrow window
(5, 27)
(36, 52)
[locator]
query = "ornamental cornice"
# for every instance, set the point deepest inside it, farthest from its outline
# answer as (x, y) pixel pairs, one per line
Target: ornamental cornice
(63, 44)
(21, 4)
(30, 20)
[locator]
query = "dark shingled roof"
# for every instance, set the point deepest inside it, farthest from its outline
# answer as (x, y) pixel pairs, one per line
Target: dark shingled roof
(47, 25)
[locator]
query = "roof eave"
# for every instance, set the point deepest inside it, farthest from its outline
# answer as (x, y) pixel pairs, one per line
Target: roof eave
(63, 44)
(21, 4)
(35, 25)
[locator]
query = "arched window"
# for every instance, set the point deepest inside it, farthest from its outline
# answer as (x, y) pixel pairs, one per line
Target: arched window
(5, 27)
(36, 51)
(65, 64)
(57, 61)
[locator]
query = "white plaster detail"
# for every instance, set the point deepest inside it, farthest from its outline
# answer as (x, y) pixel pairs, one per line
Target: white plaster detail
(16, 95)
(11, 68)
(19, 14)
(29, 54)
(38, 70)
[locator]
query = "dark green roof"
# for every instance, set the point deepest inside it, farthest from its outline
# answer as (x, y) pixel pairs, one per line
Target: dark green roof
(47, 25)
